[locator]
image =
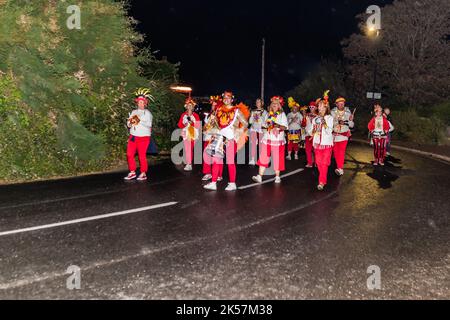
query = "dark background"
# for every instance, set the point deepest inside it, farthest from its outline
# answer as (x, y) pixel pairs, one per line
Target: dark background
(219, 42)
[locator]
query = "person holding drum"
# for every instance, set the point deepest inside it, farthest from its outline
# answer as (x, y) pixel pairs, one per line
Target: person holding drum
(379, 129)
(189, 123)
(209, 130)
(295, 119)
(256, 131)
(232, 122)
(273, 142)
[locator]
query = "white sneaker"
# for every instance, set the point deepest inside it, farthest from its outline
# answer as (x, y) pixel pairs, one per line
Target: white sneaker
(252, 162)
(188, 167)
(339, 172)
(207, 177)
(277, 180)
(231, 187)
(320, 187)
(211, 186)
(289, 157)
(308, 166)
(142, 177)
(296, 157)
(219, 179)
(130, 176)
(257, 179)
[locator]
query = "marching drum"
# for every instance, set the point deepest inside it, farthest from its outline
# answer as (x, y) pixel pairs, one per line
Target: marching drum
(216, 148)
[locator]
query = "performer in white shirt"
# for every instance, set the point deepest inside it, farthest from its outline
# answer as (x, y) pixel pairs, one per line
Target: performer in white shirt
(140, 124)
(322, 135)
(295, 120)
(343, 122)
(274, 140)
(256, 129)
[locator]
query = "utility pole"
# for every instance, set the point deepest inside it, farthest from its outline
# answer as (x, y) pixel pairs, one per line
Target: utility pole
(263, 68)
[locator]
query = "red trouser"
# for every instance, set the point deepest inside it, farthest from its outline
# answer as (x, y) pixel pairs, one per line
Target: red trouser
(379, 149)
(323, 161)
(140, 144)
(309, 150)
(217, 167)
(255, 140)
(293, 146)
(208, 161)
(277, 153)
(189, 150)
(339, 149)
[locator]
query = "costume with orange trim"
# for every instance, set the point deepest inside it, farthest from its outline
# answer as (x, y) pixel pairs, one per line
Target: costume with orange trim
(231, 121)
(210, 129)
(379, 128)
(307, 125)
(189, 123)
(343, 123)
(140, 124)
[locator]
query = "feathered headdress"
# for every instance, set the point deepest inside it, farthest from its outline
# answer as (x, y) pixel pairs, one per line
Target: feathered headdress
(190, 101)
(278, 99)
(324, 99)
(143, 94)
(292, 103)
(213, 99)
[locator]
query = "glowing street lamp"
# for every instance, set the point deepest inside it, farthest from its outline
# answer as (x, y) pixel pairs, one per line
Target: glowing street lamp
(182, 89)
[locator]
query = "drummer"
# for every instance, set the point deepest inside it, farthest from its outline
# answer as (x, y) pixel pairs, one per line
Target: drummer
(295, 119)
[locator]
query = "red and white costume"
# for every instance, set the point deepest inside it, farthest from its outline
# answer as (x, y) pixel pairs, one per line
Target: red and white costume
(379, 128)
(209, 129)
(140, 124)
(308, 126)
(256, 130)
(343, 122)
(232, 122)
(295, 119)
(322, 140)
(190, 124)
(273, 141)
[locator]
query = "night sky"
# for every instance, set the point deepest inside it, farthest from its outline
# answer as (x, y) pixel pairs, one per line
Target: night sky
(219, 42)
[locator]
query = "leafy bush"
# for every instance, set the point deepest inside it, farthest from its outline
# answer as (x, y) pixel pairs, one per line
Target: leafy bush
(65, 94)
(410, 126)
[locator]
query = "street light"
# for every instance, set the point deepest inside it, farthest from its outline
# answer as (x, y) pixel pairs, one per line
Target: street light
(182, 89)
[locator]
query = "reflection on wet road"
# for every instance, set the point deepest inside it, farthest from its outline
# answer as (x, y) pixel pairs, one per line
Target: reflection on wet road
(268, 241)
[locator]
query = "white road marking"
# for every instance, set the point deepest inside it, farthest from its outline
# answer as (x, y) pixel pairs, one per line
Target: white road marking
(271, 180)
(103, 216)
(147, 252)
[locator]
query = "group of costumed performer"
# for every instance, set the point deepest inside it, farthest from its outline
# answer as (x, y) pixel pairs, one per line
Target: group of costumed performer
(273, 142)
(256, 129)
(189, 123)
(343, 123)
(230, 122)
(139, 123)
(295, 135)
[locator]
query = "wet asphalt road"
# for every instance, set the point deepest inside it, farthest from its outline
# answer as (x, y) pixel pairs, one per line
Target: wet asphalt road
(285, 241)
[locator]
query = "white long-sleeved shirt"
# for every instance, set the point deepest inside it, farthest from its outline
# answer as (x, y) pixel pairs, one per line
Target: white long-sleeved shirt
(144, 128)
(269, 138)
(323, 138)
(256, 120)
(341, 132)
(295, 121)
